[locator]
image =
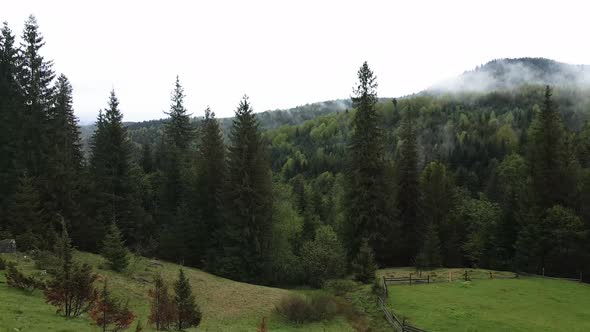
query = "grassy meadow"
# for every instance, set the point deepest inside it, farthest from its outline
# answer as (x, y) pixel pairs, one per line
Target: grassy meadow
(226, 305)
(523, 304)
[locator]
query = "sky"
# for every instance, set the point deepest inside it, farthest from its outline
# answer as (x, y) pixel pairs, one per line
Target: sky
(284, 53)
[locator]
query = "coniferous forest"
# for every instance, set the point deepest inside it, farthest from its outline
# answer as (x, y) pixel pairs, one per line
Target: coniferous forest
(496, 179)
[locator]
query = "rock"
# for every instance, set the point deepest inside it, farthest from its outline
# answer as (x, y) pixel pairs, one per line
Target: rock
(7, 246)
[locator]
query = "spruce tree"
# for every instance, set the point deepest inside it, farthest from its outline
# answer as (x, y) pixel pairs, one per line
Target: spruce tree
(368, 212)
(10, 135)
(147, 158)
(547, 156)
(211, 177)
(24, 214)
(408, 195)
(364, 266)
(188, 313)
(179, 130)
(35, 76)
(114, 250)
(65, 154)
(115, 197)
(429, 256)
(248, 200)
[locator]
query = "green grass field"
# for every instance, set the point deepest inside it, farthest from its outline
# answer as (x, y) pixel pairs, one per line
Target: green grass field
(524, 304)
(226, 305)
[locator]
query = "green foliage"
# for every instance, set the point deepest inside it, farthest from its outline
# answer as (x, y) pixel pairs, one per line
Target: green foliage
(429, 256)
(341, 287)
(114, 250)
(300, 310)
(178, 130)
(408, 187)
(548, 156)
(248, 200)
(323, 258)
(188, 313)
(162, 307)
(368, 213)
(16, 279)
(363, 265)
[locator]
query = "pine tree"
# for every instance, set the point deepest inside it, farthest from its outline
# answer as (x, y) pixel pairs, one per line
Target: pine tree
(211, 164)
(10, 135)
(65, 155)
(114, 250)
(188, 313)
(408, 195)
(429, 256)
(25, 216)
(35, 76)
(162, 309)
(368, 213)
(114, 194)
(364, 266)
(248, 200)
(179, 131)
(548, 155)
(71, 290)
(147, 158)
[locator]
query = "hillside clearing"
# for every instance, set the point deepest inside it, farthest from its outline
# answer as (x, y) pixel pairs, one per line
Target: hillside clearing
(226, 305)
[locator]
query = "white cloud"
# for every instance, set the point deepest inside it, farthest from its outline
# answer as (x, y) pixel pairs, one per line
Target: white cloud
(283, 53)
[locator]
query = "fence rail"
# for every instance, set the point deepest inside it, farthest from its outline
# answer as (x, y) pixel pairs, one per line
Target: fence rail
(391, 317)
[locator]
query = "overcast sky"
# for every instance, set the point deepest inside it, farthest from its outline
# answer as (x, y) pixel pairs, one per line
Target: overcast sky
(284, 53)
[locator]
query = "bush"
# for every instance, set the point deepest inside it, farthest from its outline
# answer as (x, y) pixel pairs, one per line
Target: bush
(45, 260)
(16, 279)
(299, 310)
(323, 258)
(364, 266)
(340, 286)
(2, 263)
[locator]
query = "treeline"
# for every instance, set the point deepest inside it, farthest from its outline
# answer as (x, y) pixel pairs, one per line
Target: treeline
(499, 180)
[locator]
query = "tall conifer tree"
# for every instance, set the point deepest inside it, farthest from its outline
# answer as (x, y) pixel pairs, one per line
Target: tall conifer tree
(248, 200)
(408, 195)
(368, 213)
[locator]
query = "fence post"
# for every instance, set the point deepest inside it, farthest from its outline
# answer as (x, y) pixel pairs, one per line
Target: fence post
(580, 276)
(450, 276)
(410, 279)
(491, 275)
(543, 271)
(465, 275)
(429, 278)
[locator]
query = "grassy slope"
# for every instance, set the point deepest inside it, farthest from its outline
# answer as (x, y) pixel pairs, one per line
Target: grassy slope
(226, 305)
(525, 304)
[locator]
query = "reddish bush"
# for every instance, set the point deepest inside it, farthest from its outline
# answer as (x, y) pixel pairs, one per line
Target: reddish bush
(109, 313)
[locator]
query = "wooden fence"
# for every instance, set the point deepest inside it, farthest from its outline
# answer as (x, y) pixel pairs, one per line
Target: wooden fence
(390, 316)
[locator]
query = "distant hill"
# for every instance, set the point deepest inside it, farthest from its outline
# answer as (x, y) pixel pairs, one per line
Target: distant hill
(508, 74)
(501, 74)
(143, 131)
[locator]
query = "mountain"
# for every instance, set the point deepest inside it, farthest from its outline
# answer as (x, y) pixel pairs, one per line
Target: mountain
(508, 74)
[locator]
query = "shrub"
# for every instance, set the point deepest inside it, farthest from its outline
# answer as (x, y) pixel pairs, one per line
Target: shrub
(187, 311)
(323, 258)
(114, 249)
(162, 309)
(72, 291)
(109, 312)
(45, 260)
(2, 263)
(299, 310)
(295, 309)
(364, 266)
(16, 279)
(340, 286)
